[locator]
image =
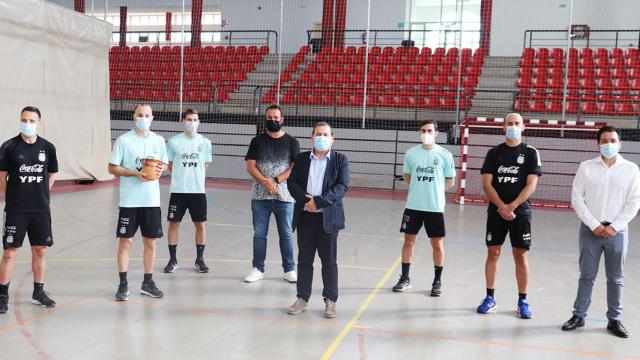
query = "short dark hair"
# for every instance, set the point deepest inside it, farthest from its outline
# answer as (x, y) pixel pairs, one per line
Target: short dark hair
(32, 109)
(321, 123)
(607, 128)
(429, 121)
(189, 112)
(273, 107)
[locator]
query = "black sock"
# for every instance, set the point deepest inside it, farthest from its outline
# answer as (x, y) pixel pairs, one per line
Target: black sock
(438, 271)
(172, 252)
(37, 287)
(522, 296)
(4, 289)
(491, 292)
(199, 251)
(123, 277)
(405, 270)
(147, 278)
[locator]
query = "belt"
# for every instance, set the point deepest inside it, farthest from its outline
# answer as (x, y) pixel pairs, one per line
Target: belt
(605, 223)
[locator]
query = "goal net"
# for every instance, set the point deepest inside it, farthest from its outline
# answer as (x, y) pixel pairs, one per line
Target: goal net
(562, 145)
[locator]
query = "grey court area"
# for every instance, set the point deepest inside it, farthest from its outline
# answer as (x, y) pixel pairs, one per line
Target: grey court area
(217, 316)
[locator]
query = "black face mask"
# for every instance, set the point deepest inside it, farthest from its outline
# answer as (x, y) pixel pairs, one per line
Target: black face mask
(273, 126)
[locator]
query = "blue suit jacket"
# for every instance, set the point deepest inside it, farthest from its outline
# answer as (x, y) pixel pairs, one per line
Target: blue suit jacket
(334, 187)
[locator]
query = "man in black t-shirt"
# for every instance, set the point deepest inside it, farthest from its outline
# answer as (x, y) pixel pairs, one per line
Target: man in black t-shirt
(509, 177)
(269, 161)
(28, 164)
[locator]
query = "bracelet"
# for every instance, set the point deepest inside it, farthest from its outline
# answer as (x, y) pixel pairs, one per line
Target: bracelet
(275, 178)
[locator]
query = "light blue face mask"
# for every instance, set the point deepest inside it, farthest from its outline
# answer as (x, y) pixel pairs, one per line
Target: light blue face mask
(609, 150)
(143, 124)
(191, 126)
(513, 133)
(322, 143)
(28, 130)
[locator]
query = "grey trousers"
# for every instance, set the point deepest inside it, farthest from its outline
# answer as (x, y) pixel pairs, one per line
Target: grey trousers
(615, 252)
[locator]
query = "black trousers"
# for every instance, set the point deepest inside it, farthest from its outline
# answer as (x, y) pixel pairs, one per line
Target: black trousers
(312, 237)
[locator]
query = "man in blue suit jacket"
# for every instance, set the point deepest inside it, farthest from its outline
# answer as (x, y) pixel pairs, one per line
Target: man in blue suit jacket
(318, 182)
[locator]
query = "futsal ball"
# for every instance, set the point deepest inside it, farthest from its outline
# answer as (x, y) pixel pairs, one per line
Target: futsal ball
(150, 168)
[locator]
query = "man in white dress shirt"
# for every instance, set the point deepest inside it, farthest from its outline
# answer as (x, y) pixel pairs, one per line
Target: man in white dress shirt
(606, 197)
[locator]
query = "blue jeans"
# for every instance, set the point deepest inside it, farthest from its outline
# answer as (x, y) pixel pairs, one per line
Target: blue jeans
(283, 212)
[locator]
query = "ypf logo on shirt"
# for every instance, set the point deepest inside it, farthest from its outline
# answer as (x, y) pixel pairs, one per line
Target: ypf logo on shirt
(509, 170)
(33, 169)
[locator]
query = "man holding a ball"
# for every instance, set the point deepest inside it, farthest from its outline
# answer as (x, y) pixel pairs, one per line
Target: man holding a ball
(132, 159)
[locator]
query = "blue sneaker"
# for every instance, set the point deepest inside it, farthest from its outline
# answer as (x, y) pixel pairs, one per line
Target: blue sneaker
(488, 305)
(523, 309)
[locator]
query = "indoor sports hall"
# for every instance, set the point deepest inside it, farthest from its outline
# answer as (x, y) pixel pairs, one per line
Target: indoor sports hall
(82, 74)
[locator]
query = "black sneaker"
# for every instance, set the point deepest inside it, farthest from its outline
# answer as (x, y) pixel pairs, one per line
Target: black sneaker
(123, 292)
(4, 304)
(435, 288)
(150, 289)
(201, 267)
(402, 285)
(42, 298)
(171, 266)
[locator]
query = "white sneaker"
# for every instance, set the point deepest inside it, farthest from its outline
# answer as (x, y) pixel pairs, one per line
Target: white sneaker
(291, 276)
(254, 275)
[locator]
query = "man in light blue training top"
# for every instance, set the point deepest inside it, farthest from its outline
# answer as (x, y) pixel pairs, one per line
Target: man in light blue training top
(429, 171)
(139, 197)
(189, 157)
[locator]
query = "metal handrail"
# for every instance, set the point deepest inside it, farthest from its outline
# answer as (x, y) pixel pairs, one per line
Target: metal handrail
(529, 38)
(231, 37)
(376, 36)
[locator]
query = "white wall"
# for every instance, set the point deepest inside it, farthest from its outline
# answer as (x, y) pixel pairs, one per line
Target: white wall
(299, 16)
(385, 14)
(510, 18)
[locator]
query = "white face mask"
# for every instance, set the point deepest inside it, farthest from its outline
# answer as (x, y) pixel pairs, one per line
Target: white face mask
(513, 133)
(427, 139)
(322, 143)
(143, 123)
(28, 130)
(191, 126)
(609, 150)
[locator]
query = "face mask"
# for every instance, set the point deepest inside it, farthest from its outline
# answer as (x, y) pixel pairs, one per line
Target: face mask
(322, 143)
(513, 133)
(191, 126)
(28, 130)
(609, 150)
(143, 124)
(427, 139)
(273, 126)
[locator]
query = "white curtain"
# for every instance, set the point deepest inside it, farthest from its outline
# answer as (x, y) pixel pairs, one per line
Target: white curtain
(57, 60)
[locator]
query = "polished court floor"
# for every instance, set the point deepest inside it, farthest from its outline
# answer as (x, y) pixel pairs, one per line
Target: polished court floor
(217, 316)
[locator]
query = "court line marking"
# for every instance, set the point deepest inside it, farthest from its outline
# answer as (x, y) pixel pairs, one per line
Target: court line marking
(45, 313)
(350, 325)
(69, 260)
(488, 342)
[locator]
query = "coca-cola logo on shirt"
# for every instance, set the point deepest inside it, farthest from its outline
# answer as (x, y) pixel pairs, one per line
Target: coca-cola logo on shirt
(37, 168)
(508, 169)
(192, 156)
